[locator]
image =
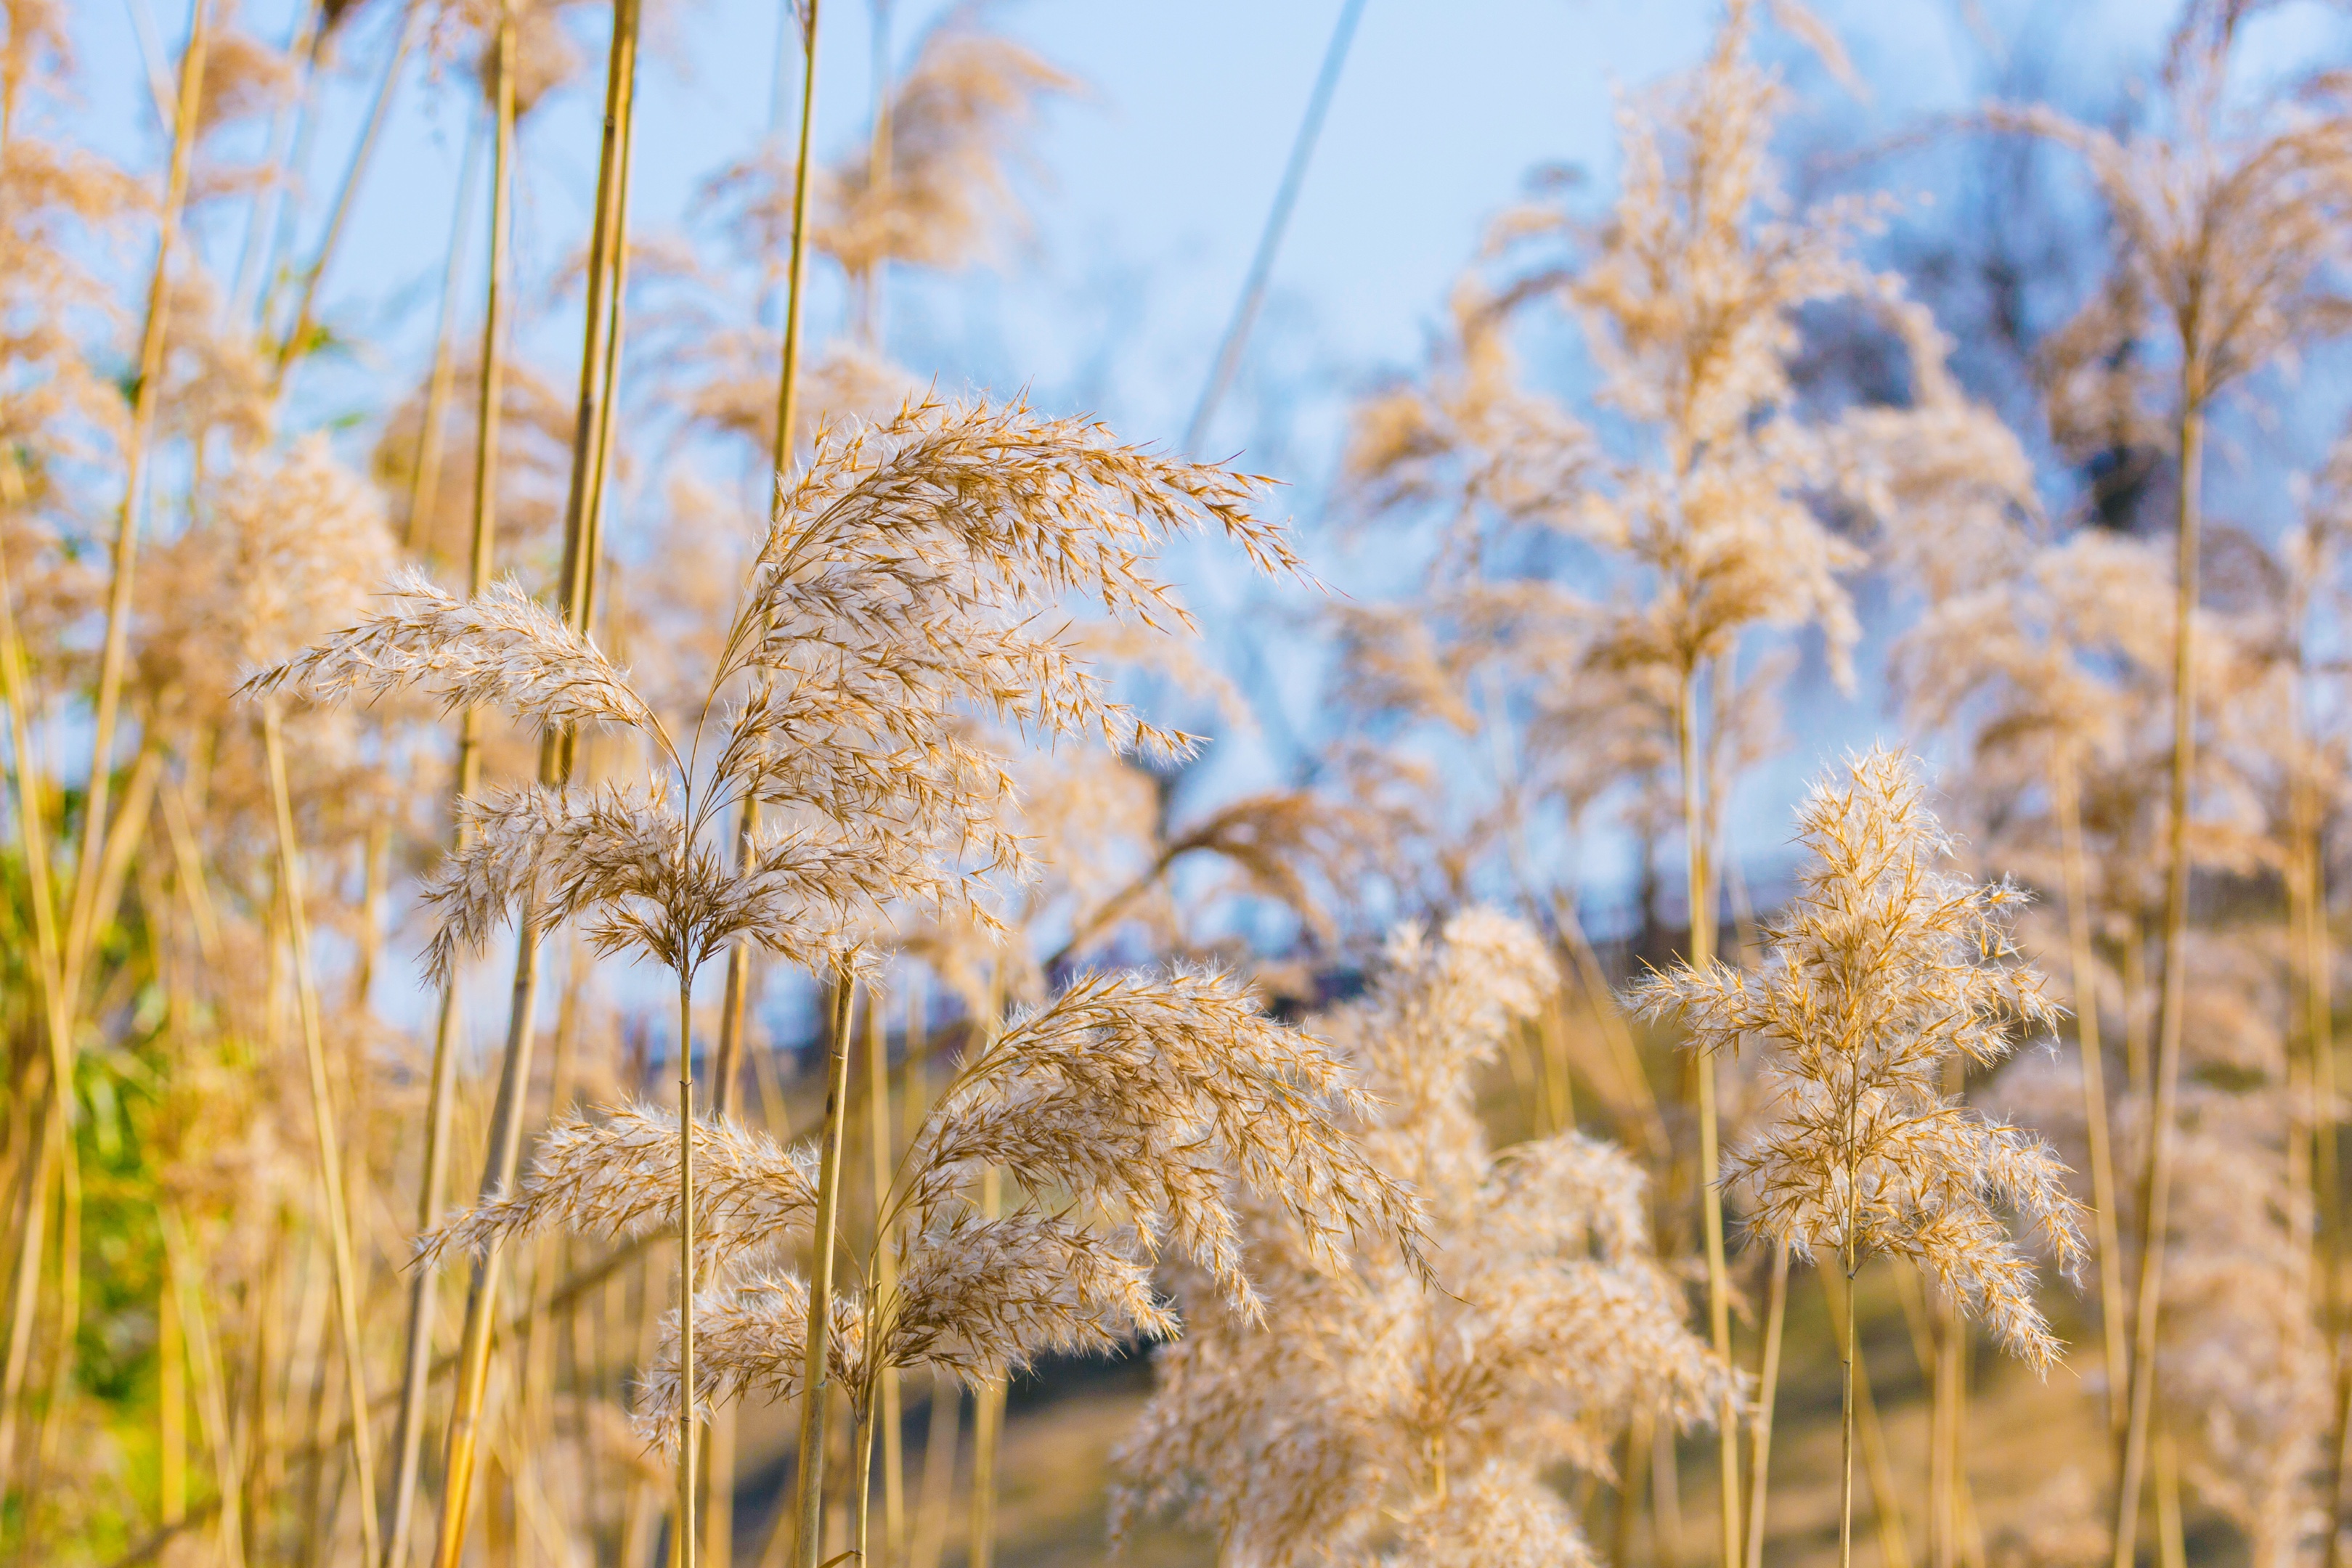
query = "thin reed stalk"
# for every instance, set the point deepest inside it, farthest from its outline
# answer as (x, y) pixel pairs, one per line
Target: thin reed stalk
(54, 1132)
(1861, 1432)
(736, 998)
(1846, 1411)
(808, 1510)
(1697, 822)
(212, 1403)
(113, 664)
(2113, 1344)
(930, 1542)
(1767, 1390)
(328, 1144)
(115, 650)
(682, 1531)
(884, 1286)
(2156, 1206)
(297, 333)
(409, 1427)
(440, 381)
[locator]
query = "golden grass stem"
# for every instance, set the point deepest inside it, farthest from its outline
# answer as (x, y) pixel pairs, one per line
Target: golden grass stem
(1861, 1430)
(212, 1401)
(796, 265)
(862, 1457)
(115, 652)
(440, 381)
(684, 1531)
(328, 1144)
(884, 1283)
(306, 302)
(409, 1425)
(113, 664)
(607, 239)
(499, 1164)
(2155, 1210)
(1846, 1416)
(930, 1542)
(2113, 1344)
(809, 1497)
(55, 1133)
(1767, 1389)
(1696, 824)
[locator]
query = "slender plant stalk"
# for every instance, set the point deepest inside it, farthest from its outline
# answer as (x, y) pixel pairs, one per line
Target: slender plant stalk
(606, 238)
(488, 420)
(1846, 1416)
(1868, 1435)
(930, 1522)
(54, 1136)
(2171, 1548)
(504, 1155)
(361, 152)
(808, 1510)
(1945, 1437)
(441, 1096)
(1665, 1497)
(171, 1408)
(1767, 1390)
(212, 1403)
(505, 1152)
(328, 1144)
(736, 998)
(2326, 1180)
(425, 480)
(115, 651)
(885, 1284)
(2114, 1344)
(878, 160)
(113, 662)
(929, 1542)
(684, 1534)
(788, 383)
(290, 140)
(1633, 1477)
(2155, 1211)
(1277, 219)
(862, 1452)
(1695, 820)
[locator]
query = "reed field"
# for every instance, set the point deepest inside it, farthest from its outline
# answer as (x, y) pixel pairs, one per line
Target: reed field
(648, 917)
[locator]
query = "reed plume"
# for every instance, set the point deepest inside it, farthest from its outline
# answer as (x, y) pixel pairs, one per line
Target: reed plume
(1883, 967)
(1399, 1418)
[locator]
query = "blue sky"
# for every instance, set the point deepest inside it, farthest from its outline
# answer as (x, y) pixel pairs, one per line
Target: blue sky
(1149, 191)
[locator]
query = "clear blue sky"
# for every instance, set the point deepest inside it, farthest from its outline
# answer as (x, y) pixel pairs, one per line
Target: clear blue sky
(1149, 192)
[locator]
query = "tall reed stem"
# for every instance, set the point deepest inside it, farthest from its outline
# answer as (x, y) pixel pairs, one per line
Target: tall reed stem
(885, 1280)
(361, 152)
(33, 833)
(408, 1428)
(809, 1498)
(1767, 1390)
(688, 1543)
(2113, 1345)
(1695, 823)
(1846, 1413)
(115, 652)
(425, 480)
(788, 383)
(2155, 1212)
(738, 953)
(113, 662)
(328, 1144)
